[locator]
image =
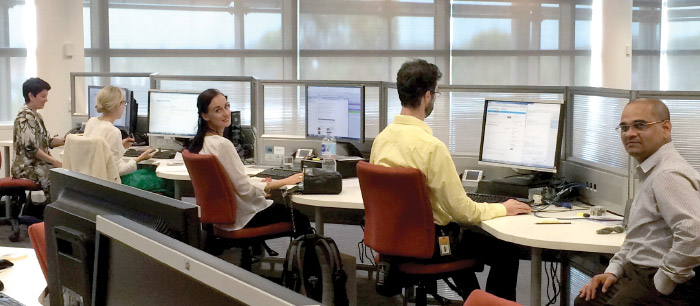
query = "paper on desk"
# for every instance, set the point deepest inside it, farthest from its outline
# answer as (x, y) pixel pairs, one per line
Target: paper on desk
(178, 156)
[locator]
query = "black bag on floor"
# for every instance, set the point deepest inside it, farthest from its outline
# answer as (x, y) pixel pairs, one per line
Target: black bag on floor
(313, 267)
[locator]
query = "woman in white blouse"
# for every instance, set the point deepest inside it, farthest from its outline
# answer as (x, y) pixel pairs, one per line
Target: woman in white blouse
(110, 102)
(253, 209)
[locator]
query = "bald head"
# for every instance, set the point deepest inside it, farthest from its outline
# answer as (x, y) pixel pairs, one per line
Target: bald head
(658, 108)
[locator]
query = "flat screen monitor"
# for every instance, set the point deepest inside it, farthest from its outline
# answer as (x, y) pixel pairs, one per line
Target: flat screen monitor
(172, 113)
(340, 109)
(70, 227)
(127, 122)
(137, 266)
(522, 134)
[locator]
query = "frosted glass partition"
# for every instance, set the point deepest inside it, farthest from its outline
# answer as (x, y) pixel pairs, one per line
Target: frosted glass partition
(138, 83)
(458, 113)
(284, 109)
(684, 108)
(592, 135)
(237, 89)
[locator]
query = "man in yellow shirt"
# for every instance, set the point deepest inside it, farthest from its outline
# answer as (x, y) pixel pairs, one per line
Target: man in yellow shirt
(409, 142)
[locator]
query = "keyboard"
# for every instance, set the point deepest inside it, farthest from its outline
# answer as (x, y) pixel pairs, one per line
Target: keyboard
(7, 300)
(132, 152)
(276, 173)
(492, 198)
(165, 154)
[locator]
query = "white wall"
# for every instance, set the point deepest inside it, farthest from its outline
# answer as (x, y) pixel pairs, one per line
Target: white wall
(59, 22)
(617, 36)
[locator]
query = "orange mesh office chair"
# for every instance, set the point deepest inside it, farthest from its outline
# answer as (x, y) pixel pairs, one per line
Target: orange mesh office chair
(214, 194)
(37, 236)
(399, 224)
(483, 298)
(16, 190)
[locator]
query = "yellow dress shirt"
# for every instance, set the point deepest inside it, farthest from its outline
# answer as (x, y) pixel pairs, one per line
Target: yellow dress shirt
(409, 142)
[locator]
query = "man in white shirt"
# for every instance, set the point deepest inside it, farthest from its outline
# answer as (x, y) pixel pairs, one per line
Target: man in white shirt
(661, 253)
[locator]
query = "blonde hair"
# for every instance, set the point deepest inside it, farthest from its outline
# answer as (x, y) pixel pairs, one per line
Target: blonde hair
(108, 99)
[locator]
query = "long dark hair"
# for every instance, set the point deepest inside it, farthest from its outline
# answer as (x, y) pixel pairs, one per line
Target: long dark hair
(203, 101)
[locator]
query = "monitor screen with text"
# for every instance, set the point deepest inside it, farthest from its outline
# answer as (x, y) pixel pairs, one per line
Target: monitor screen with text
(338, 109)
(522, 134)
(172, 113)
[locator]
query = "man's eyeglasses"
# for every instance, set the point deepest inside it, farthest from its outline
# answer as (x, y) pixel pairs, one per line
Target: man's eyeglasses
(437, 94)
(637, 126)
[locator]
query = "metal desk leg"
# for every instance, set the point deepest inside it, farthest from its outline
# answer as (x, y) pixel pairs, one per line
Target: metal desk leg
(565, 280)
(319, 220)
(535, 276)
(6, 160)
(176, 190)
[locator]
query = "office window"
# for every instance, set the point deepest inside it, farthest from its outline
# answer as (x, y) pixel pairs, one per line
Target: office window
(512, 43)
(683, 49)
(646, 40)
(363, 40)
(12, 59)
(593, 135)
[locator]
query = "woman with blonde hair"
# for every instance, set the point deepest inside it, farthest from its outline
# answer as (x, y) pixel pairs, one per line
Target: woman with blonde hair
(110, 102)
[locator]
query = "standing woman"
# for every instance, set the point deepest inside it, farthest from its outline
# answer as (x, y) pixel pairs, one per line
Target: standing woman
(31, 140)
(253, 209)
(110, 102)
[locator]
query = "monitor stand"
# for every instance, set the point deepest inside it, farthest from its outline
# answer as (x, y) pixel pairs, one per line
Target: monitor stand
(535, 179)
(517, 185)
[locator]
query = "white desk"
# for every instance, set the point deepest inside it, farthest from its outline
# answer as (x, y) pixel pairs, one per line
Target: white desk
(580, 235)
(6, 145)
(173, 169)
(24, 281)
(349, 198)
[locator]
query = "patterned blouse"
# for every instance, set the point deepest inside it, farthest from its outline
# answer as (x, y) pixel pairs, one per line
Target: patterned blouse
(30, 135)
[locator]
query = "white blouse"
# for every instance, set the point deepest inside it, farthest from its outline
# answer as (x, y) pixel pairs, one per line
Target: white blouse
(250, 194)
(111, 134)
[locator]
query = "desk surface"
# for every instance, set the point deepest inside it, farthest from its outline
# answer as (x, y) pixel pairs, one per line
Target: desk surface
(24, 281)
(174, 169)
(580, 235)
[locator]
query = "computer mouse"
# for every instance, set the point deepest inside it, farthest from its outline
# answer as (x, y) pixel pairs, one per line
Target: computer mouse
(4, 263)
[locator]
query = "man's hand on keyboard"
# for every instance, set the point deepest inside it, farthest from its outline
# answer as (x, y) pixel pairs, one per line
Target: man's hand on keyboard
(514, 207)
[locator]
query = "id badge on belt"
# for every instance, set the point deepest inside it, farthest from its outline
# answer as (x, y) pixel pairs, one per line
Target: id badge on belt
(444, 242)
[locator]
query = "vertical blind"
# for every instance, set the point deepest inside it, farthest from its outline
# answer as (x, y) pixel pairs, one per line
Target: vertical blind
(458, 115)
(593, 135)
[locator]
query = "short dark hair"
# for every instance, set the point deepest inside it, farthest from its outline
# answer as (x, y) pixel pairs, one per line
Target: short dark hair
(658, 108)
(34, 86)
(414, 79)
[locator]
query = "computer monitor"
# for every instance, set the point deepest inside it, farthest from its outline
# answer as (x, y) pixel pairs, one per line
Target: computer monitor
(70, 226)
(340, 109)
(524, 134)
(136, 266)
(128, 120)
(172, 113)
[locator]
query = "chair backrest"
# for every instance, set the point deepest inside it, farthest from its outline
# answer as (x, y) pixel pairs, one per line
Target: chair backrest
(480, 298)
(37, 236)
(91, 156)
(398, 215)
(213, 189)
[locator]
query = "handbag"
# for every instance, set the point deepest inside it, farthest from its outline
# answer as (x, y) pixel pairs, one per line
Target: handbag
(319, 181)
